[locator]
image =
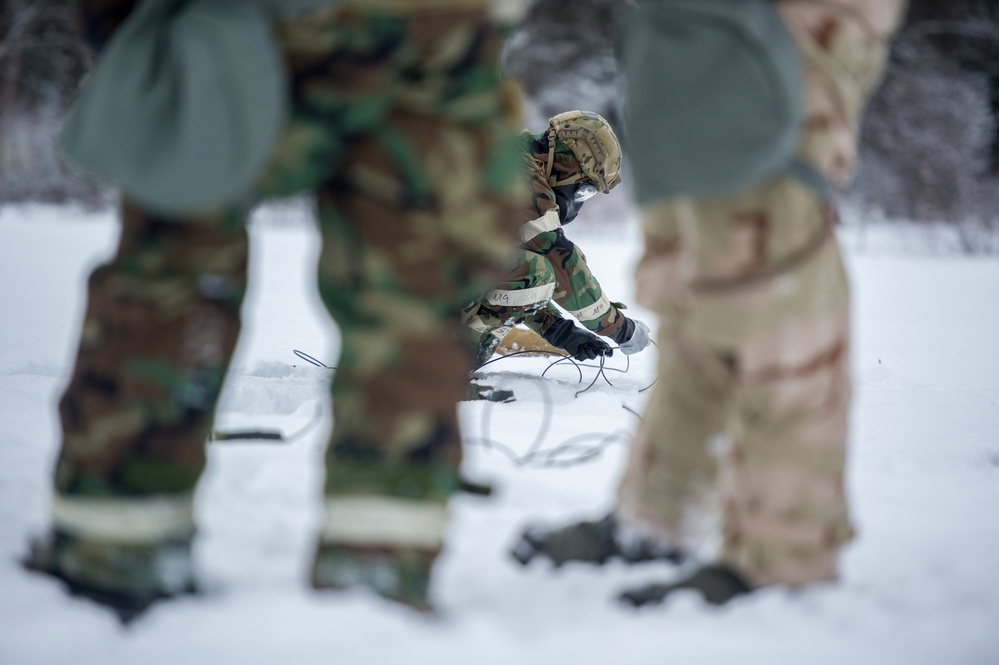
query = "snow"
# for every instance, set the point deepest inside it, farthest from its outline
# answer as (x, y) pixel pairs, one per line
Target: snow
(920, 584)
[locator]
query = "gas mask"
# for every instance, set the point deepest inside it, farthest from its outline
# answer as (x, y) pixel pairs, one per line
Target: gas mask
(570, 199)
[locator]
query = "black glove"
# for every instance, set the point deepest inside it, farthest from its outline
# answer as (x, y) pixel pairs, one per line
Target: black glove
(580, 344)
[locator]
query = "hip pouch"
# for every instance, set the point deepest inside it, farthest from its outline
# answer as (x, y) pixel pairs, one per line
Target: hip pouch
(713, 97)
(185, 103)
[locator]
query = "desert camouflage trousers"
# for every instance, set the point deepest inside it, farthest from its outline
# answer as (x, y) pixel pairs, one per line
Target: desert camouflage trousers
(400, 125)
(556, 273)
(745, 433)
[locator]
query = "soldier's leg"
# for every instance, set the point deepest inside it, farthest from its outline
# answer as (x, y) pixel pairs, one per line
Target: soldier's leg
(522, 296)
(668, 499)
(759, 279)
(403, 366)
(759, 274)
(578, 291)
(415, 224)
(788, 518)
(669, 488)
(668, 503)
(161, 323)
(786, 513)
(532, 338)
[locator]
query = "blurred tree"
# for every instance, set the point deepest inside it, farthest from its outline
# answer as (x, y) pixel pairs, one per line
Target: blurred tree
(42, 60)
(930, 149)
(967, 32)
(564, 56)
(930, 139)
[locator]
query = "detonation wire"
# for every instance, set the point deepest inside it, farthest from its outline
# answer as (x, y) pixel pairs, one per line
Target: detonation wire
(571, 452)
(655, 380)
(310, 359)
(575, 450)
(532, 450)
(601, 368)
(277, 436)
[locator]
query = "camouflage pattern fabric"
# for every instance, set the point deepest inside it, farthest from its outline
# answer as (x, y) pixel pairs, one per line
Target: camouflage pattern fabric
(594, 145)
(399, 124)
(161, 324)
(743, 443)
(548, 259)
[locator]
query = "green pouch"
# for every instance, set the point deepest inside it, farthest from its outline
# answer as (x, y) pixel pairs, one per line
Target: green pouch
(184, 105)
(186, 102)
(713, 97)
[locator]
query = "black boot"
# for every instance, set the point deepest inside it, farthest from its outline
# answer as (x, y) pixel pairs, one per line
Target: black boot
(124, 578)
(718, 584)
(477, 391)
(592, 542)
(399, 574)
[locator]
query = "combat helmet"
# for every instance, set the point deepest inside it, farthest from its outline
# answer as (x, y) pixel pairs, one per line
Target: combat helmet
(592, 142)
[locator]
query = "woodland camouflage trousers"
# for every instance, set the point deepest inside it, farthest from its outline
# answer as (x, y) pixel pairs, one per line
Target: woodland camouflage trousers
(399, 125)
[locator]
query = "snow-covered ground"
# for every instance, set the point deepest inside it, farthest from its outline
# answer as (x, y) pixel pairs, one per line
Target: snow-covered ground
(920, 584)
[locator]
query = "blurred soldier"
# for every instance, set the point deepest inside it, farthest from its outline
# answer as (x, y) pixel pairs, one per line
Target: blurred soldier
(398, 122)
(740, 456)
(574, 159)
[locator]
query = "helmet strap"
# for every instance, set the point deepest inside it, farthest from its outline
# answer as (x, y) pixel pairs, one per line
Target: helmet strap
(551, 153)
(571, 180)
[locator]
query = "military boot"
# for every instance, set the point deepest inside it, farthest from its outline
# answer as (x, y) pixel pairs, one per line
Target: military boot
(383, 543)
(125, 577)
(718, 584)
(591, 542)
(480, 391)
(394, 573)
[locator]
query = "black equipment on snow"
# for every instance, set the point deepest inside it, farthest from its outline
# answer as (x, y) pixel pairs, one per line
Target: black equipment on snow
(718, 584)
(590, 542)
